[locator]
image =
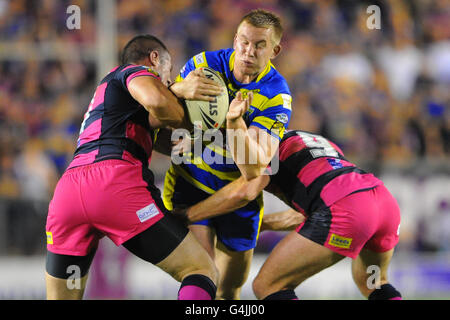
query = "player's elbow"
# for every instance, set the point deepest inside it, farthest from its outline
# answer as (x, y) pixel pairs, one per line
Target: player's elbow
(245, 193)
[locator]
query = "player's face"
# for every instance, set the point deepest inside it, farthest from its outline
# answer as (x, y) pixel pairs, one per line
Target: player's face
(254, 48)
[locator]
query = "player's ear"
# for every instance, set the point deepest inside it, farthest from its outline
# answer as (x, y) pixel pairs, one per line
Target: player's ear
(234, 41)
(154, 58)
(276, 51)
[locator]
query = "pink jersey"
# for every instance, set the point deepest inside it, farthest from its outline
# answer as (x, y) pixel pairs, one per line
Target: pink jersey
(115, 125)
(313, 171)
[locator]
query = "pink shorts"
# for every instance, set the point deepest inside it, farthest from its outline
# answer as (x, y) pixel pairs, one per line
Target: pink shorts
(112, 197)
(367, 219)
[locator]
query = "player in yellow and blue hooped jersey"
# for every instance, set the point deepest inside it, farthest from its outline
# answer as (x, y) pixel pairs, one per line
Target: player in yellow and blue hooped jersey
(245, 67)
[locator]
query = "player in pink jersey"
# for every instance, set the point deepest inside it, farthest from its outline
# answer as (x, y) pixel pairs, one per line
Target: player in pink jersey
(108, 188)
(345, 212)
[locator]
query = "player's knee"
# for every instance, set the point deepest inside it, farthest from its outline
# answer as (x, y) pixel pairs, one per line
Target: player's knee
(65, 289)
(260, 287)
(231, 285)
(367, 279)
(206, 268)
(209, 269)
(359, 277)
(211, 272)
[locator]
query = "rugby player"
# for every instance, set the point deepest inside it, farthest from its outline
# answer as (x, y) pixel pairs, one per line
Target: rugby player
(247, 70)
(108, 188)
(347, 212)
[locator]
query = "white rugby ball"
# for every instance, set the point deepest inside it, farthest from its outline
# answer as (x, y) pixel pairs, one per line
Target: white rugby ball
(206, 115)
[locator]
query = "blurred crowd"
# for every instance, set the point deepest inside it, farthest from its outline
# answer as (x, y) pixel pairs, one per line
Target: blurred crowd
(381, 94)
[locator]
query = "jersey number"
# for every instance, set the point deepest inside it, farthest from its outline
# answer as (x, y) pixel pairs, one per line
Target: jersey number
(319, 146)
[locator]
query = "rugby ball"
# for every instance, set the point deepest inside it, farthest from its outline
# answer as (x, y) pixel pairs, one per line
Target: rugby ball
(207, 115)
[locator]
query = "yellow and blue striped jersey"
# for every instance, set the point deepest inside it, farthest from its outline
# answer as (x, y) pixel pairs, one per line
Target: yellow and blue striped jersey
(270, 111)
(271, 95)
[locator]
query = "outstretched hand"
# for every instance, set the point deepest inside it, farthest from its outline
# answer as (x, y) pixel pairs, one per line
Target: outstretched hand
(239, 106)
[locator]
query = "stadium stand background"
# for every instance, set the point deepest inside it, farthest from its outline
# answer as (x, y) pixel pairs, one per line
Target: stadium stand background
(382, 95)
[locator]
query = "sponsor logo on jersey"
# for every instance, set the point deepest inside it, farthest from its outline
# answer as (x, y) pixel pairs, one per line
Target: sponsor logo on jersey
(287, 100)
(232, 91)
(49, 237)
(282, 117)
(339, 241)
(147, 212)
(199, 59)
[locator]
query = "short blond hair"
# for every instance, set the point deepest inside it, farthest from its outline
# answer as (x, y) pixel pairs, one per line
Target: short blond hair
(260, 18)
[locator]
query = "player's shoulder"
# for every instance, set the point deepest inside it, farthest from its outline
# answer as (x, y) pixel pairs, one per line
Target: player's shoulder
(219, 54)
(121, 72)
(218, 60)
(274, 84)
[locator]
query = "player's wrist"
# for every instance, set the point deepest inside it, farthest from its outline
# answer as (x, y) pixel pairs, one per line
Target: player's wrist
(235, 123)
(177, 88)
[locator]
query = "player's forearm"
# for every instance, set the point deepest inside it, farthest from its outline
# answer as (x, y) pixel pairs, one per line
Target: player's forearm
(282, 221)
(233, 196)
(248, 155)
(223, 201)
